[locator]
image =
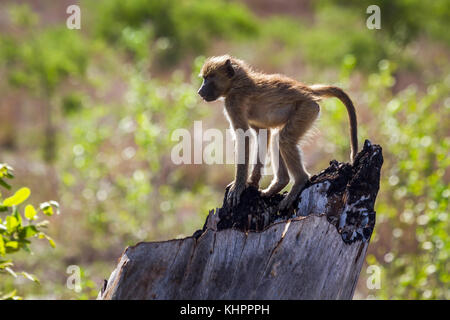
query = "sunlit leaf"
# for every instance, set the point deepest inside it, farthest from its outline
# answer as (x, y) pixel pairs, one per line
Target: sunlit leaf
(6, 171)
(52, 243)
(48, 211)
(56, 205)
(46, 208)
(9, 296)
(12, 244)
(28, 231)
(20, 196)
(17, 215)
(2, 247)
(49, 239)
(11, 223)
(30, 212)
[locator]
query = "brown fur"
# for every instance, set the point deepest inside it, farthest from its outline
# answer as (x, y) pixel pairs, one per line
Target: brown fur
(269, 101)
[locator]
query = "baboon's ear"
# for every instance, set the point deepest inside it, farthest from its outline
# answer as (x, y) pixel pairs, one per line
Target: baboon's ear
(229, 68)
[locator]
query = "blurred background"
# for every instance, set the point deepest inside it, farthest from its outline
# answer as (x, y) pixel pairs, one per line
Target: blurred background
(86, 118)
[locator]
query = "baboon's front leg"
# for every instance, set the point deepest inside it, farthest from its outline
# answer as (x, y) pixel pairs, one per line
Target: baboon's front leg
(240, 181)
(262, 143)
(242, 145)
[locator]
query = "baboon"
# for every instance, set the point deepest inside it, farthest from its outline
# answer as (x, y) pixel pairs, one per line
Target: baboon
(269, 101)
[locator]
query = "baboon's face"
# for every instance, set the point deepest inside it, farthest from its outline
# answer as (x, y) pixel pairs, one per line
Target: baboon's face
(209, 90)
(217, 79)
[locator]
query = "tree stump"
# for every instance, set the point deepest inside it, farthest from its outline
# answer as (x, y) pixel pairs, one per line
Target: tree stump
(314, 250)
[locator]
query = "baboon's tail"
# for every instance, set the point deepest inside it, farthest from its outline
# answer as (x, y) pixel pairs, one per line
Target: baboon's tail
(332, 91)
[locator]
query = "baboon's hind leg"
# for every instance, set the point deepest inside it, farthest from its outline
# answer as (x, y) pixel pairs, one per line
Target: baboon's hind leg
(290, 135)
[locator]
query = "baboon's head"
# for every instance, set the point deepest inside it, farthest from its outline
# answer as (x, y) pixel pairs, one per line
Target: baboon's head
(217, 74)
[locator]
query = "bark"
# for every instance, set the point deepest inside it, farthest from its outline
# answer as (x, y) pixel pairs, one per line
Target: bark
(314, 250)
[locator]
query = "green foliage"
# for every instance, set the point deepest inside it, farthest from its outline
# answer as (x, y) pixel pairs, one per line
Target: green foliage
(15, 233)
(42, 60)
(23, 16)
(404, 20)
(72, 103)
(410, 242)
(349, 36)
(414, 195)
(177, 27)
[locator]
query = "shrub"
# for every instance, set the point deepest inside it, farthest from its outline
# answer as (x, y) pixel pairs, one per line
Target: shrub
(18, 228)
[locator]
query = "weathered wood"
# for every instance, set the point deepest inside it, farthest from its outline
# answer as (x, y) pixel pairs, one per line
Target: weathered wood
(312, 251)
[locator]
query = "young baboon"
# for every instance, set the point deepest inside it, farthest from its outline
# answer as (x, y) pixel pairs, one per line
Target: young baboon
(269, 101)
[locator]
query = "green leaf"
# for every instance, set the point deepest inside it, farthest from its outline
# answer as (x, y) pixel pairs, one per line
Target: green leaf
(4, 184)
(30, 212)
(12, 244)
(28, 232)
(52, 243)
(56, 205)
(46, 208)
(17, 215)
(11, 223)
(26, 247)
(2, 247)
(20, 196)
(9, 296)
(3, 170)
(6, 171)
(50, 240)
